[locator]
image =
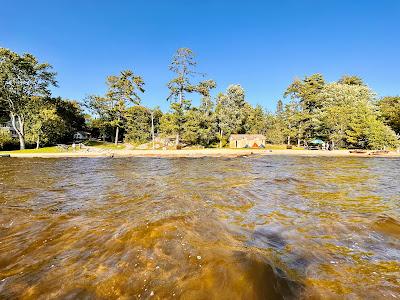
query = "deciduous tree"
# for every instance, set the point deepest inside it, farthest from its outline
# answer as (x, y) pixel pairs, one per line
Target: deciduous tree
(230, 111)
(389, 108)
(21, 78)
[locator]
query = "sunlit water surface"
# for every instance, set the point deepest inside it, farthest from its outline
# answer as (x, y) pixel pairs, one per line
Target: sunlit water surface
(205, 228)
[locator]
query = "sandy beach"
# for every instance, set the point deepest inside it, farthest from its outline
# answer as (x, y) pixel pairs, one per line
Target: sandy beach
(201, 153)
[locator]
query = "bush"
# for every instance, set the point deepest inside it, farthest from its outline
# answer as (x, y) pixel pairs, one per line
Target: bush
(5, 138)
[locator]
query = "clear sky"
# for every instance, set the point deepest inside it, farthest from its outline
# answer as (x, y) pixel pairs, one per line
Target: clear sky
(263, 45)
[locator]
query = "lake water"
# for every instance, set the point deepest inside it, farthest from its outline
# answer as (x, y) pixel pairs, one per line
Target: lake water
(206, 228)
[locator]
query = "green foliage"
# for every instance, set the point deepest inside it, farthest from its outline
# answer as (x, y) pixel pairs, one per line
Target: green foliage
(345, 113)
(350, 118)
(111, 108)
(43, 124)
(168, 125)
(275, 129)
(307, 91)
(389, 108)
(381, 136)
(254, 121)
(230, 111)
(191, 127)
(5, 138)
(138, 124)
(183, 65)
(279, 107)
(306, 94)
(342, 113)
(351, 80)
(21, 79)
(208, 121)
(73, 118)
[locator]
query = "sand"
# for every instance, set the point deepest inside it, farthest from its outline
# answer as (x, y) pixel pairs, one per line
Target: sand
(200, 153)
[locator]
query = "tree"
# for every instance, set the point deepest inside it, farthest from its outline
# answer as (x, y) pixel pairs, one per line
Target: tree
(307, 93)
(122, 91)
(22, 78)
(5, 137)
(138, 124)
(208, 126)
(168, 124)
(230, 113)
(254, 122)
(351, 80)
(291, 118)
(279, 107)
(389, 108)
(350, 118)
(183, 65)
(72, 116)
(275, 130)
(191, 127)
(43, 124)
(381, 136)
(155, 116)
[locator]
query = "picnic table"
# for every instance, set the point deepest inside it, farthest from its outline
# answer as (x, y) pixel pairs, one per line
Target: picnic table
(62, 146)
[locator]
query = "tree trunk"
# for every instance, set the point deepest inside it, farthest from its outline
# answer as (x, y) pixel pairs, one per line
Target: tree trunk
(179, 125)
(152, 128)
(220, 138)
(21, 142)
(19, 131)
(116, 135)
(298, 143)
(288, 140)
(37, 142)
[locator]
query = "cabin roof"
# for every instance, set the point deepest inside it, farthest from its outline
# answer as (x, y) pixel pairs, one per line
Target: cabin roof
(236, 137)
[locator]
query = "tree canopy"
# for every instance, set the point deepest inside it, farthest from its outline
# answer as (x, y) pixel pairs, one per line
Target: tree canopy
(345, 113)
(22, 77)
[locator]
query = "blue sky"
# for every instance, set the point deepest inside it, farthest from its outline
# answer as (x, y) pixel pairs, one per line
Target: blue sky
(262, 45)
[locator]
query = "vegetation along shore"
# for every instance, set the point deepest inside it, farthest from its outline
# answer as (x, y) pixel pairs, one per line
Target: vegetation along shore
(346, 114)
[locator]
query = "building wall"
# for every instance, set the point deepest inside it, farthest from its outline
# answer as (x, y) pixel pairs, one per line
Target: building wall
(243, 143)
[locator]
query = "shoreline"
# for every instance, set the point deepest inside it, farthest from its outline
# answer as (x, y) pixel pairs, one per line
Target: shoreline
(197, 153)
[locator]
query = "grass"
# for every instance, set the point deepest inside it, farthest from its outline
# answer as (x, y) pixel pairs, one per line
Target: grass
(112, 146)
(281, 147)
(104, 145)
(53, 149)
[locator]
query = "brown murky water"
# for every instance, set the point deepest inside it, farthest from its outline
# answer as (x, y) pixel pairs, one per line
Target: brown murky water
(206, 228)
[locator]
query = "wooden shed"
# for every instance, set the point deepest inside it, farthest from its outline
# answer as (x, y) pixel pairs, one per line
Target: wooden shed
(247, 141)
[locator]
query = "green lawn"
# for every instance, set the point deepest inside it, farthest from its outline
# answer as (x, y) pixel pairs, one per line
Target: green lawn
(111, 146)
(280, 147)
(53, 149)
(104, 145)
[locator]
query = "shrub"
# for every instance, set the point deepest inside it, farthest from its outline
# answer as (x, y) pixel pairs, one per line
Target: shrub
(5, 138)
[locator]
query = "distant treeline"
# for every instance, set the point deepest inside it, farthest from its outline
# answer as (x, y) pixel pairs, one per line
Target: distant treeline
(345, 113)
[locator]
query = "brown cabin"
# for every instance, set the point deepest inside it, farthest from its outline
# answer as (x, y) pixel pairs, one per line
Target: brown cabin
(247, 141)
